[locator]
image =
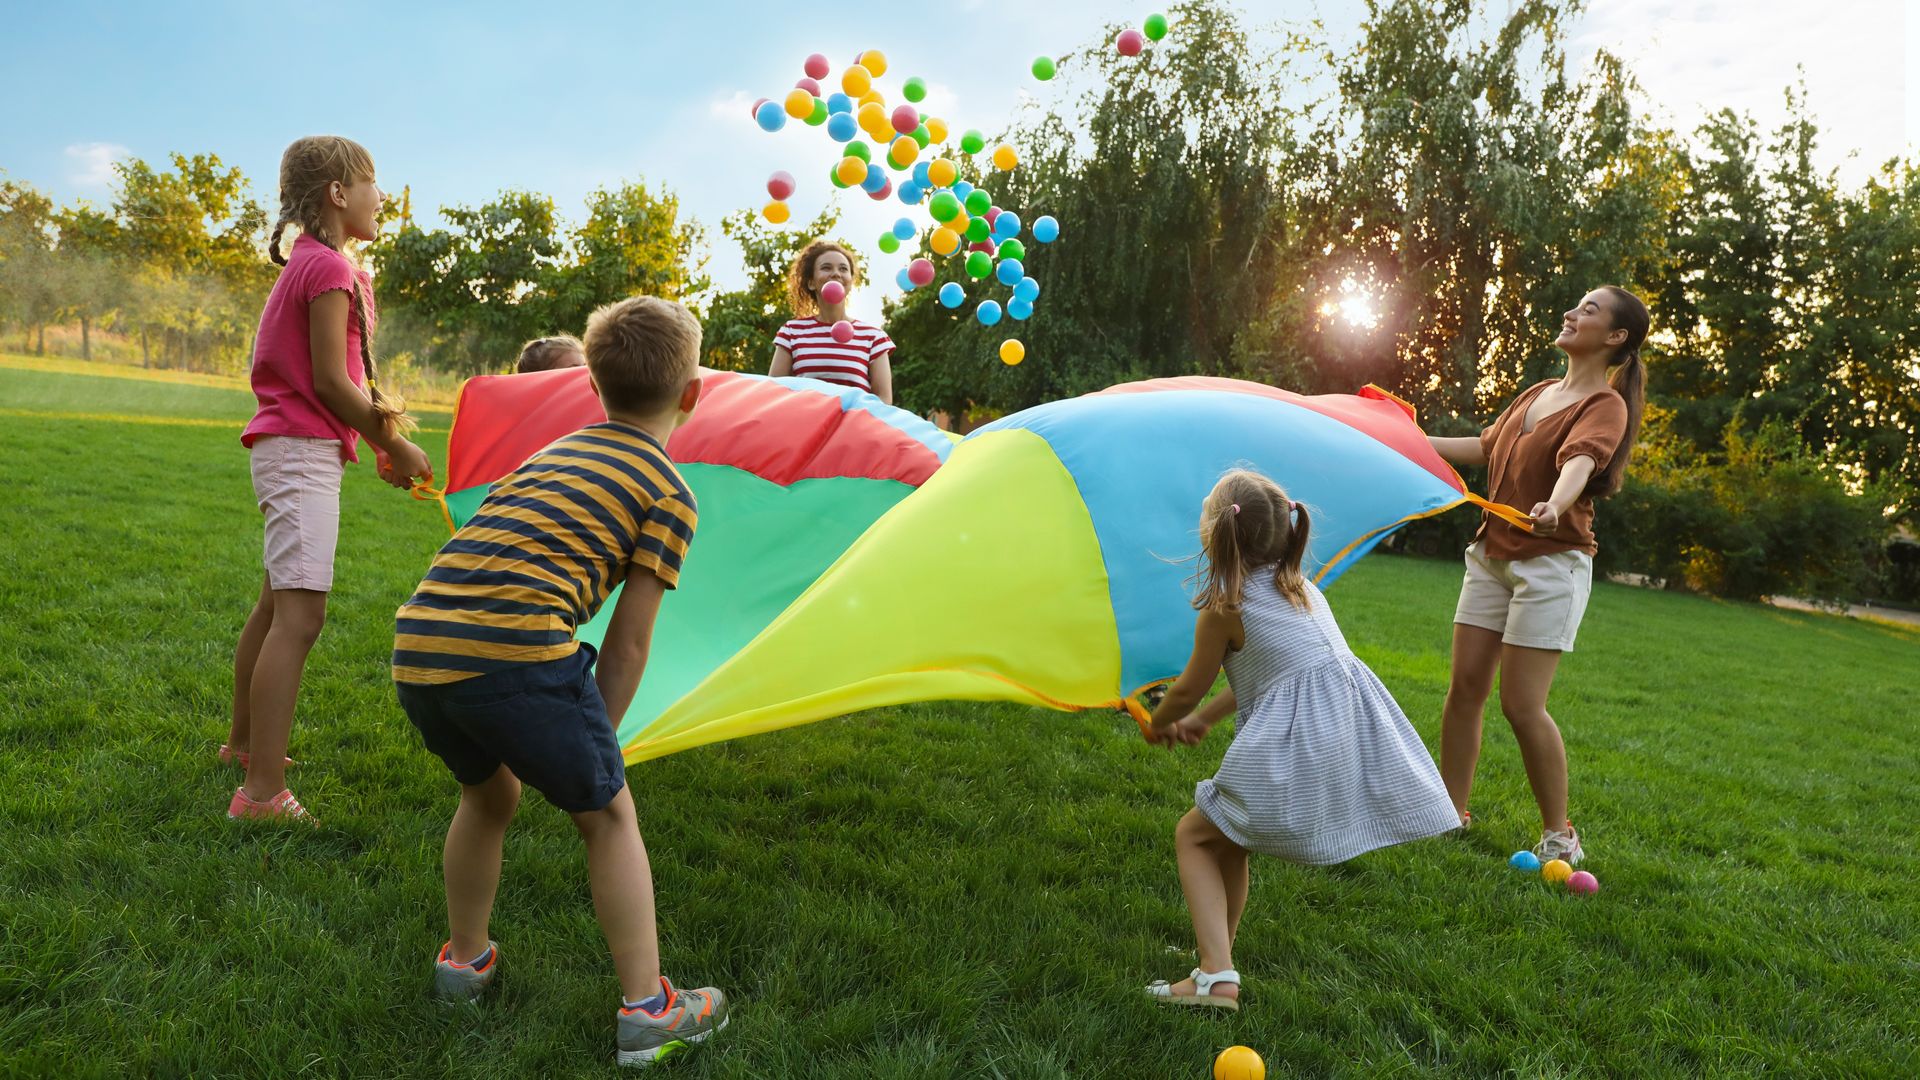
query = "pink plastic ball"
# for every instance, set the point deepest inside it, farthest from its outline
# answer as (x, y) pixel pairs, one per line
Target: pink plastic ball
(1583, 883)
(809, 86)
(993, 214)
(886, 190)
(843, 331)
(1131, 42)
(817, 67)
(780, 185)
(920, 272)
(906, 119)
(755, 111)
(832, 292)
(981, 245)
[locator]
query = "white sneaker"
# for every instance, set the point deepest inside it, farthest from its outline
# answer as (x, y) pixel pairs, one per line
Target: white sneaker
(1560, 844)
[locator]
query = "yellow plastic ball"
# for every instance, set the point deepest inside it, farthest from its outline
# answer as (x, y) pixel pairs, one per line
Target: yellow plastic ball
(775, 211)
(944, 241)
(870, 114)
(1555, 871)
(874, 97)
(1012, 352)
(1004, 158)
(851, 170)
(936, 129)
(903, 152)
(875, 61)
(1239, 1063)
(799, 104)
(856, 80)
(942, 172)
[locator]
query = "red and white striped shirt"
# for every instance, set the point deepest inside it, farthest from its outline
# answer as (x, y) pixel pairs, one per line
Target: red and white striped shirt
(817, 356)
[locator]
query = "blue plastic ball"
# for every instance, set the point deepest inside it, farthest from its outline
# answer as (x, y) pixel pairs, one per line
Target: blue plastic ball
(842, 127)
(1010, 272)
(839, 103)
(876, 178)
(1019, 309)
(1045, 229)
(988, 312)
(903, 229)
(910, 193)
(901, 279)
(920, 174)
(772, 116)
(1007, 225)
(1525, 860)
(952, 295)
(961, 189)
(1028, 290)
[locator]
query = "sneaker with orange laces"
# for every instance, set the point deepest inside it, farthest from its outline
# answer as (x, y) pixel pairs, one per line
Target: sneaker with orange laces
(283, 805)
(688, 1017)
(456, 981)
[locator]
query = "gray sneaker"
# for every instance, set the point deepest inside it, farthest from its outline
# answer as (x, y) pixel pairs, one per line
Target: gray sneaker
(690, 1016)
(454, 981)
(1560, 844)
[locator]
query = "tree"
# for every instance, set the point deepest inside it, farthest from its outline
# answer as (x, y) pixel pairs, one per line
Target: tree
(29, 288)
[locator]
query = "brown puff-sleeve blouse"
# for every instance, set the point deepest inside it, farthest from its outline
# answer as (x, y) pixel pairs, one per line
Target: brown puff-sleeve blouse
(1523, 467)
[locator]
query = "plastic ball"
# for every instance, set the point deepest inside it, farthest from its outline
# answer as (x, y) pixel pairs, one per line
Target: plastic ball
(889, 243)
(859, 149)
(972, 142)
(1012, 249)
(1009, 272)
(834, 173)
(780, 185)
(1045, 229)
(1155, 27)
(1239, 1063)
(921, 271)
(1004, 157)
(921, 136)
(809, 86)
(838, 103)
(982, 245)
(775, 211)
(1006, 224)
(944, 241)
(944, 206)
(979, 265)
(870, 114)
(771, 116)
(1019, 309)
(884, 191)
(1043, 68)
(819, 114)
(842, 331)
(856, 80)
(832, 293)
(977, 230)
(902, 152)
(874, 97)
(952, 295)
(1028, 290)
(1583, 883)
(903, 229)
(1130, 42)
(842, 127)
(921, 175)
(936, 129)
(1555, 871)
(911, 192)
(978, 202)
(799, 104)
(875, 61)
(988, 312)
(941, 172)
(901, 279)
(915, 89)
(1524, 860)
(905, 119)
(851, 170)
(1012, 352)
(817, 66)
(961, 189)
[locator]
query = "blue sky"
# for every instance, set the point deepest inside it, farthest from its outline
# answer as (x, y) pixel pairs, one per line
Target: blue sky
(461, 101)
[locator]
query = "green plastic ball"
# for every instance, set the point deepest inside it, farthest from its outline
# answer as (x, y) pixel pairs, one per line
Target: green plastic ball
(944, 206)
(1043, 68)
(1155, 27)
(978, 230)
(1013, 249)
(979, 264)
(915, 89)
(978, 202)
(973, 142)
(858, 149)
(889, 243)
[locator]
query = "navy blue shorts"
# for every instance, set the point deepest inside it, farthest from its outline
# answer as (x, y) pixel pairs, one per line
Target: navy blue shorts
(546, 722)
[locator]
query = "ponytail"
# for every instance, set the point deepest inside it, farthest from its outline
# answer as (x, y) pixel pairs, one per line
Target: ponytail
(273, 238)
(1286, 576)
(1628, 377)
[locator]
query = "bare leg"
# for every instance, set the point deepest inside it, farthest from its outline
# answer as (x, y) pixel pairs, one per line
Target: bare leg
(1213, 874)
(622, 884)
(472, 860)
(245, 656)
(1476, 657)
(1526, 676)
(298, 616)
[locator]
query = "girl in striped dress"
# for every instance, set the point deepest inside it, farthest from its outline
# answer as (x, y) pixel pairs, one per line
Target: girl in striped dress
(820, 341)
(1324, 766)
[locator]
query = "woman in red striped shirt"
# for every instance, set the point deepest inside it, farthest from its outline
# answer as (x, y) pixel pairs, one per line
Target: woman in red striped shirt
(820, 341)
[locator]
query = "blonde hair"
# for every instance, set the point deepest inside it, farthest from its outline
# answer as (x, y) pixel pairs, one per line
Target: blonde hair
(1247, 523)
(308, 168)
(642, 351)
(799, 292)
(543, 354)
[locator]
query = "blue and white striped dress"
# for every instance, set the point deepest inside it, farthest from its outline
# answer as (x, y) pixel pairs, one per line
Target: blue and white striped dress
(1324, 766)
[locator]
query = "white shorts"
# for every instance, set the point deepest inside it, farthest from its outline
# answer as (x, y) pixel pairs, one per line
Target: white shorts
(1535, 603)
(297, 483)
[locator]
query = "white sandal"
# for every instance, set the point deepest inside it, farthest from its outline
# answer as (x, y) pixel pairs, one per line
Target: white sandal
(1202, 990)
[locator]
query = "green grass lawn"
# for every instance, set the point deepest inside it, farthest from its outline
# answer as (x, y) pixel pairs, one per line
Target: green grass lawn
(943, 890)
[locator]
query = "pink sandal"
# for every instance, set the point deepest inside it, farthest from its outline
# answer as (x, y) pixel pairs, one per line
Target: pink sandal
(241, 758)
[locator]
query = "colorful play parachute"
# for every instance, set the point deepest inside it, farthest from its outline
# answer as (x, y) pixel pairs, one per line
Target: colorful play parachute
(1041, 564)
(788, 472)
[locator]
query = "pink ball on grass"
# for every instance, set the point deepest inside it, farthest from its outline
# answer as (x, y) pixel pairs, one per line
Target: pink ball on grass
(1130, 42)
(832, 293)
(842, 330)
(1583, 883)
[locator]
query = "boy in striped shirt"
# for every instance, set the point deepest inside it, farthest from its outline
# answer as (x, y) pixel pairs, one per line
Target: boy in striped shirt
(488, 669)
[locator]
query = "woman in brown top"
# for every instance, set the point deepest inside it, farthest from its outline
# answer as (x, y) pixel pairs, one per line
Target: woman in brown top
(1561, 444)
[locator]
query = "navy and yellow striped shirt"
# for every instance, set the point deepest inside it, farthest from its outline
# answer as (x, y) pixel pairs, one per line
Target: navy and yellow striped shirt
(542, 553)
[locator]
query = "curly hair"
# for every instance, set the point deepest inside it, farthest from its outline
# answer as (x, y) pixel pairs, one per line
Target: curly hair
(799, 295)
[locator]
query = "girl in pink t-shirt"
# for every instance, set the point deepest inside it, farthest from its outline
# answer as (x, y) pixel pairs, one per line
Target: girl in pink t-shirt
(313, 376)
(820, 342)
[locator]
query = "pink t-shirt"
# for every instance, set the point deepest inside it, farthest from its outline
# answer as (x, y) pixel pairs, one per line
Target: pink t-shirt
(283, 350)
